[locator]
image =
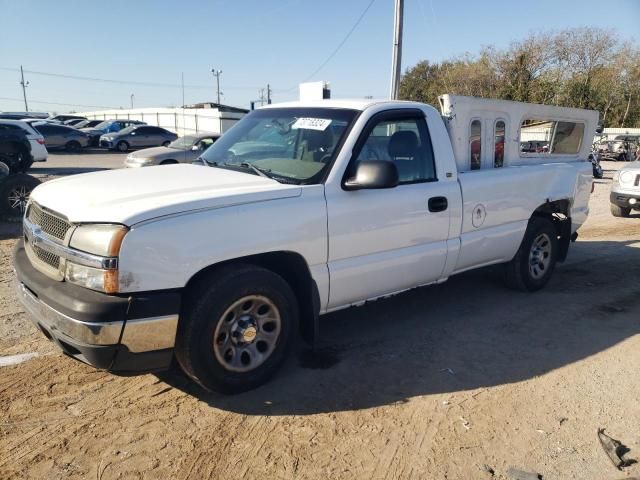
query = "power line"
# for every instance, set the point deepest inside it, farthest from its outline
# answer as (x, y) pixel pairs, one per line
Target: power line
(340, 45)
(121, 82)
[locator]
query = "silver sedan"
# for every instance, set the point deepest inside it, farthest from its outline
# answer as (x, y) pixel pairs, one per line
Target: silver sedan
(183, 150)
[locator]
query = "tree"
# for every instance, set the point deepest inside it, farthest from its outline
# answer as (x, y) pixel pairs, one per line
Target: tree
(581, 67)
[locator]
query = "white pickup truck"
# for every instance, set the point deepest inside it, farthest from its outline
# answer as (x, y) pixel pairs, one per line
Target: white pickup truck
(299, 210)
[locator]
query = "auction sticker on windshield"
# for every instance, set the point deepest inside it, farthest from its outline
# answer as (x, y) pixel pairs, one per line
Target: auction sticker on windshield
(312, 123)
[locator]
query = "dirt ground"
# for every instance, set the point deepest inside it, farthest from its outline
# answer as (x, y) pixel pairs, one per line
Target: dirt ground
(443, 382)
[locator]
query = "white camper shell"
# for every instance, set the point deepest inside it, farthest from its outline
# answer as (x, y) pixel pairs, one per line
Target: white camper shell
(487, 133)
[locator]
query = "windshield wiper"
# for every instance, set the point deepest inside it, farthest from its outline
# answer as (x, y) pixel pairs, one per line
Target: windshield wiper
(263, 172)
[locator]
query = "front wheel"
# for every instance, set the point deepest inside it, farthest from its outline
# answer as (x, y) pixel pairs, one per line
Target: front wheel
(618, 211)
(533, 264)
(14, 194)
(237, 328)
(122, 146)
(73, 147)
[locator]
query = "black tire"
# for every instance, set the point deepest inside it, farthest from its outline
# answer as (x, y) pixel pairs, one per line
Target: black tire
(122, 146)
(618, 211)
(73, 147)
(166, 144)
(25, 164)
(207, 302)
(168, 162)
(14, 193)
(523, 273)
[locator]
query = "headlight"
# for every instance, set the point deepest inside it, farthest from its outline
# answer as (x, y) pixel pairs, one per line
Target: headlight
(626, 177)
(101, 240)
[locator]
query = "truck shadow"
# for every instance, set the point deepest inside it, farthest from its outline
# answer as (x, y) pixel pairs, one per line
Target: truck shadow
(466, 334)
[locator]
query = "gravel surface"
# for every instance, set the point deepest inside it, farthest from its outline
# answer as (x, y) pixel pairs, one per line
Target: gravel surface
(452, 381)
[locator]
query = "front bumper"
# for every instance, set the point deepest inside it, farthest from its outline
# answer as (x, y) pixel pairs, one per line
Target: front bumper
(131, 334)
(622, 199)
(106, 144)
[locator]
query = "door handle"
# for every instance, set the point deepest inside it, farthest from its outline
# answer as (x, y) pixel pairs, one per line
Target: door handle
(438, 204)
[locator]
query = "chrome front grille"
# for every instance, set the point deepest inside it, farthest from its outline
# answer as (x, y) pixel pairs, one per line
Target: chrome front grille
(50, 224)
(57, 229)
(49, 258)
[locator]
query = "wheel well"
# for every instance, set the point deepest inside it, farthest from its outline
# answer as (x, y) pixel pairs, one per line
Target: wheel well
(558, 213)
(294, 269)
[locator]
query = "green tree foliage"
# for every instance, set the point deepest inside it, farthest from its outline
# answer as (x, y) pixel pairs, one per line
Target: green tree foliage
(582, 67)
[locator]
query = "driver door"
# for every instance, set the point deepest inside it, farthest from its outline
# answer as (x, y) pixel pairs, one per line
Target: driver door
(388, 240)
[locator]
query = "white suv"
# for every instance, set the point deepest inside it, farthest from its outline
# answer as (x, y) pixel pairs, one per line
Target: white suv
(38, 150)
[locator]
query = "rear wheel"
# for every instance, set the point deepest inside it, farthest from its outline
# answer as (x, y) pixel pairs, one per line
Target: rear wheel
(14, 194)
(618, 211)
(533, 264)
(237, 328)
(122, 146)
(73, 146)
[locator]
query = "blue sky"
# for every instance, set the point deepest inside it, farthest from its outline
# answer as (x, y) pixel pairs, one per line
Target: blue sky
(254, 42)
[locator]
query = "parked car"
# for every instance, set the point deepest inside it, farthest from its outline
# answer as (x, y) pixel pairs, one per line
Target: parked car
(625, 190)
(137, 136)
(218, 266)
(15, 148)
(65, 117)
(182, 150)
(38, 150)
(73, 122)
(22, 115)
(87, 124)
(62, 137)
(15, 189)
(108, 126)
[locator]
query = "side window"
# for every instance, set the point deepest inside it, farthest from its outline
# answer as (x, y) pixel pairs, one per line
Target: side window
(539, 136)
(498, 145)
(406, 143)
(205, 143)
(475, 144)
(144, 131)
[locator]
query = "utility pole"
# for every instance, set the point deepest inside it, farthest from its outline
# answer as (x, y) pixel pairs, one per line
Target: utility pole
(261, 97)
(268, 94)
(131, 97)
(24, 89)
(396, 62)
(183, 90)
(217, 73)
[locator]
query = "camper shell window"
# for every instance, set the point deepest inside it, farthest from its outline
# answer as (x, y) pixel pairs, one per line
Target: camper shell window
(550, 137)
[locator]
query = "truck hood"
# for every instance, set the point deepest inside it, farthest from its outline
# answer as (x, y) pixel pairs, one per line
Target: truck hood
(130, 196)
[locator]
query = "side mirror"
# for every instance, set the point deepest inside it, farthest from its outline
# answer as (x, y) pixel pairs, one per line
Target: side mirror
(133, 133)
(372, 174)
(195, 148)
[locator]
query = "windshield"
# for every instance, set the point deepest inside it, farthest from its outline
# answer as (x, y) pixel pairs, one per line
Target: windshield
(184, 143)
(295, 145)
(127, 130)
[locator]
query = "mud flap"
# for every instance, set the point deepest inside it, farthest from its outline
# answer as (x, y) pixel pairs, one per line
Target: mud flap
(564, 237)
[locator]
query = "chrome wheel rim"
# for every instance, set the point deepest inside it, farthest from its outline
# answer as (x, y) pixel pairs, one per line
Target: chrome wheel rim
(540, 256)
(247, 333)
(18, 198)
